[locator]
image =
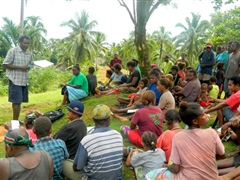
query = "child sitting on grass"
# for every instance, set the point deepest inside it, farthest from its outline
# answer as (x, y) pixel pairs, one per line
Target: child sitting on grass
(203, 96)
(149, 159)
(103, 85)
(142, 87)
(213, 87)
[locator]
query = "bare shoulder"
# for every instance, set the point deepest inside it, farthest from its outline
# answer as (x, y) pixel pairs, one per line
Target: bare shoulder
(4, 168)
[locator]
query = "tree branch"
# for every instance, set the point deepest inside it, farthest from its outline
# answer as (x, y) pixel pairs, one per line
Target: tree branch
(155, 6)
(134, 10)
(122, 3)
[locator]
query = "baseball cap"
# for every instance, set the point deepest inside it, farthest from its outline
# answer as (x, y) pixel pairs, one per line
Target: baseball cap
(76, 107)
(209, 45)
(101, 112)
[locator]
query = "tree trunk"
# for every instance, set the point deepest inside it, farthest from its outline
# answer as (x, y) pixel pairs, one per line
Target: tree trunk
(21, 17)
(160, 54)
(140, 38)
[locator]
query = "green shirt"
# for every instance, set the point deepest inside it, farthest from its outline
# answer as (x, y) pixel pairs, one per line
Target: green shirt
(80, 80)
(138, 69)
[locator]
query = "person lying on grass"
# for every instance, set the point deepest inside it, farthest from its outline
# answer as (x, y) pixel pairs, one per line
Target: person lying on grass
(150, 118)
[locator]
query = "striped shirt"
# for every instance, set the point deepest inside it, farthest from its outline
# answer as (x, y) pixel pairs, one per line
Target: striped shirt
(100, 154)
(16, 56)
(57, 149)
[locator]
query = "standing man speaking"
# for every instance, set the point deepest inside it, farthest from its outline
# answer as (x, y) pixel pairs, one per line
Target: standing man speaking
(18, 62)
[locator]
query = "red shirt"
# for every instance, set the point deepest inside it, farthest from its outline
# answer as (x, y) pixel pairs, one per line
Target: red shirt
(114, 61)
(149, 119)
(233, 101)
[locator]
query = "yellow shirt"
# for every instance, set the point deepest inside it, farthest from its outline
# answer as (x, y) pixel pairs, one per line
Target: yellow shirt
(214, 91)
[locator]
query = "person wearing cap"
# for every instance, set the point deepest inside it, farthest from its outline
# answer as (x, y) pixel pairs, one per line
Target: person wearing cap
(20, 162)
(100, 153)
(115, 60)
(72, 133)
(56, 148)
(207, 61)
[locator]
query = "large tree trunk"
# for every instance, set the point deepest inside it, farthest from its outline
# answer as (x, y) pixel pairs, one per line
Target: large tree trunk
(21, 17)
(140, 37)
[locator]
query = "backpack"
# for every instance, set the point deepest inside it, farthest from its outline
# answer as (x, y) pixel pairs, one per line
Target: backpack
(54, 114)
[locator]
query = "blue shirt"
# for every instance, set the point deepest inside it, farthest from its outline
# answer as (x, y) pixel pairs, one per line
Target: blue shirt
(207, 58)
(57, 149)
(153, 87)
(100, 154)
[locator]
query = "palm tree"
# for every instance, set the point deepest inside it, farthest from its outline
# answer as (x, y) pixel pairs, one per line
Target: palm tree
(81, 38)
(193, 36)
(163, 39)
(34, 28)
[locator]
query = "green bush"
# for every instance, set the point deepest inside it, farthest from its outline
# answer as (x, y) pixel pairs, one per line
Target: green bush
(45, 79)
(3, 89)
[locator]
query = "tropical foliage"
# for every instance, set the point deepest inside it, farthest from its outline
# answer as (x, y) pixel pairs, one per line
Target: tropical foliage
(195, 33)
(225, 27)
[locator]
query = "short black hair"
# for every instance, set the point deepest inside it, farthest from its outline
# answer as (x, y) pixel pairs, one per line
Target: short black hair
(175, 68)
(42, 126)
(150, 140)
(154, 73)
(76, 66)
(220, 65)
(145, 81)
(117, 66)
(131, 64)
(213, 79)
(235, 80)
(22, 37)
(194, 72)
(172, 116)
(91, 70)
(136, 61)
(102, 122)
(109, 72)
(236, 43)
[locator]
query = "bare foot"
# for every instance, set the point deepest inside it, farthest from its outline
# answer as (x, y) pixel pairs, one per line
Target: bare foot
(120, 118)
(98, 92)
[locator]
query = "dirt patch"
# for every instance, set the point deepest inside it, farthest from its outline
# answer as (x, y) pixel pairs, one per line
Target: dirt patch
(2, 133)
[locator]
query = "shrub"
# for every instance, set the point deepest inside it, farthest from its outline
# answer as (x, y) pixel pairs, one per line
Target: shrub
(45, 79)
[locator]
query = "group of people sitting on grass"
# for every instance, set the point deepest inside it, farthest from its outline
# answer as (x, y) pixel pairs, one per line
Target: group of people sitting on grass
(190, 153)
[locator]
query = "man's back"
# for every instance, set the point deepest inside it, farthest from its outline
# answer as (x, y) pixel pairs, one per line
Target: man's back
(19, 171)
(56, 149)
(99, 155)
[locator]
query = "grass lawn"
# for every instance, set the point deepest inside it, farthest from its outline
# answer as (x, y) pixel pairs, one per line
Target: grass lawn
(50, 100)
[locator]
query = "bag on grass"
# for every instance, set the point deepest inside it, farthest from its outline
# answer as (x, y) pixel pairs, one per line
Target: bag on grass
(54, 115)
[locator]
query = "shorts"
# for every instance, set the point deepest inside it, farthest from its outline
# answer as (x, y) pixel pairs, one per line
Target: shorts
(68, 172)
(133, 95)
(204, 77)
(17, 94)
(228, 113)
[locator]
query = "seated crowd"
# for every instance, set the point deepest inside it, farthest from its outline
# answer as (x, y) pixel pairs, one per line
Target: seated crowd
(190, 153)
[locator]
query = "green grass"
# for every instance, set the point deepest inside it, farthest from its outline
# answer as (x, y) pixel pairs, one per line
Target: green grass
(50, 100)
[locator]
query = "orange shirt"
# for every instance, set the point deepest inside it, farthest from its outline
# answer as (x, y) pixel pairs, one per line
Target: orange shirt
(165, 141)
